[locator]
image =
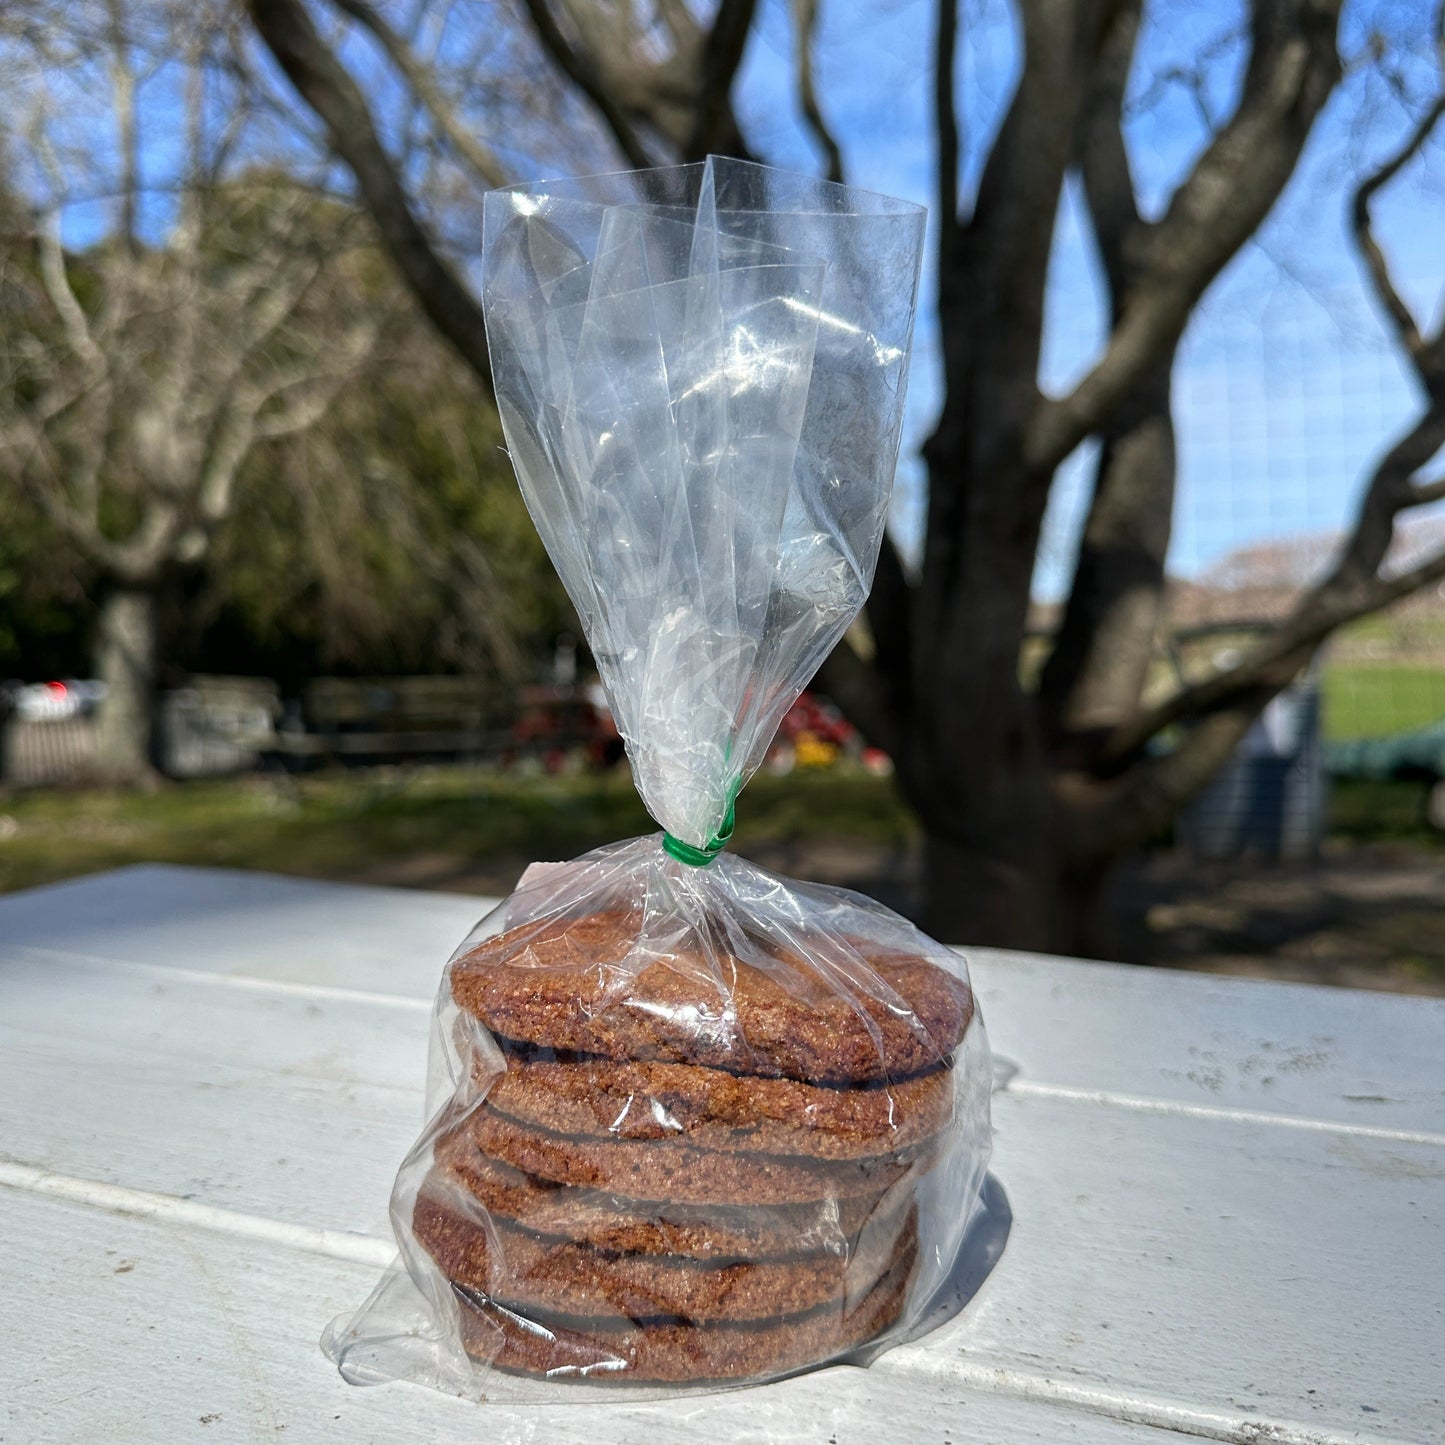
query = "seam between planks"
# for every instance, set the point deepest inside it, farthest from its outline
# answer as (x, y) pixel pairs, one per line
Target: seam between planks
(252, 982)
(1137, 1103)
(339, 1244)
(1127, 1407)
(1019, 1087)
(171, 1209)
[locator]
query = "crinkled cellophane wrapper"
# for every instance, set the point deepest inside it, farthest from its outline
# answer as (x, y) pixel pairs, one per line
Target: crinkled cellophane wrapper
(724, 1125)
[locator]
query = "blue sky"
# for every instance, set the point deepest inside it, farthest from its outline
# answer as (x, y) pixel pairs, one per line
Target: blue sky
(1287, 384)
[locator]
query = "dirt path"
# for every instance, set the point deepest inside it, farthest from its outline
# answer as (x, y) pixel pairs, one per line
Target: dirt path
(1364, 916)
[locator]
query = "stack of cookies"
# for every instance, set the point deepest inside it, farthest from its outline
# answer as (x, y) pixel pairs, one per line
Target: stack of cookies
(699, 1169)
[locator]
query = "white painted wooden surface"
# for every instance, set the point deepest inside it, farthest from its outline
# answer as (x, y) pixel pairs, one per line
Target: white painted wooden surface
(1228, 1197)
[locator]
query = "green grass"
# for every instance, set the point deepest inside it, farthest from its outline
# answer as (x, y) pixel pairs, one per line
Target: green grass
(1369, 811)
(340, 825)
(347, 825)
(1369, 702)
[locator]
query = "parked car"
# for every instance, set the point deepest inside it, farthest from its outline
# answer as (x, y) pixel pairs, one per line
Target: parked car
(47, 731)
(54, 701)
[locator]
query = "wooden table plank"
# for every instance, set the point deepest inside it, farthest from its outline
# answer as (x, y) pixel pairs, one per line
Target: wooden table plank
(263, 1101)
(135, 1331)
(1204, 1253)
(1294, 1050)
(250, 925)
(1153, 1035)
(1235, 1269)
(1157, 1256)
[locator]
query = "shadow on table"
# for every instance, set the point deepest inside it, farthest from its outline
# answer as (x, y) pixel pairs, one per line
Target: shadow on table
(983, 1241)
(983, 1246)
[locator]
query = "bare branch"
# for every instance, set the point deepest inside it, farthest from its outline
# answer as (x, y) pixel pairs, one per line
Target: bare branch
(422, 81)
(681, 23)
(1293, 68)
(1223, 707)
(212, 159)
(56, 280)
(992, 281)
(122, 80)
(1354, 586)
(1104, 159)
(1353, 589)
(945, 118)
(307, 396)
(580, 70)
(1007, 242)
(231, 443)
(69, 520)
(194, 191)
(1406, 327)
(61, 394)
(268, 296)
(714, 127)
(1193, 76)
(1157, 788)
(1101, 654)
(805, 21)
(1392, 489)
(858, 688)
(140, 556)
(133, 560)
(1379, 269)
(1394, 485)
(325, 86)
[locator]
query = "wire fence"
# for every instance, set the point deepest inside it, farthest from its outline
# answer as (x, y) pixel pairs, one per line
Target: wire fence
(1283, 408)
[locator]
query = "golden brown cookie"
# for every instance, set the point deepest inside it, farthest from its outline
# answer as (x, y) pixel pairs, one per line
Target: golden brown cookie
(675, 1351)
(867, 1015)
(673, 1170)
(713, 1109)
(595, 1217)
(536, 1273)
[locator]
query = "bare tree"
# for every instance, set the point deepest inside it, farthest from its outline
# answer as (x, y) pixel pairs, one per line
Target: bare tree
(1028, 794)
(391, 535)
(140, 367)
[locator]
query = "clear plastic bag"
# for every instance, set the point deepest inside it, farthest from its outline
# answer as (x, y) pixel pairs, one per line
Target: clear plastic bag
(691, 1123)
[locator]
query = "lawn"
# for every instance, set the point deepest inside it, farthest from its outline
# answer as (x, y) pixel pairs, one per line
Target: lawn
(1365, 701)
(1367, 810)
(474, 830)
(352, 825)
(372, 825)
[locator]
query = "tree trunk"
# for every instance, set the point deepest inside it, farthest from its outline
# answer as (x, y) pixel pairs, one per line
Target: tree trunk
(1100, 661)
(977, 893)
(972, 761)
(126, 664)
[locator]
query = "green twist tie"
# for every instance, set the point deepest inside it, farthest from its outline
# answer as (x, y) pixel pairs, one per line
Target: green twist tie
(700, 857)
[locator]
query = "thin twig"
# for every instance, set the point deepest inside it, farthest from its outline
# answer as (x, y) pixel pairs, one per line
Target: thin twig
(583, 74)
(1406, 327)
(422, 80)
